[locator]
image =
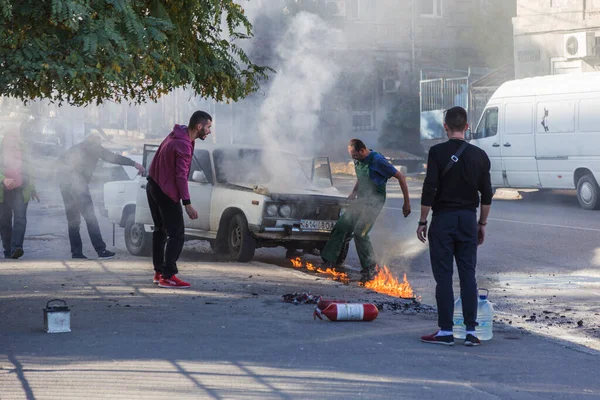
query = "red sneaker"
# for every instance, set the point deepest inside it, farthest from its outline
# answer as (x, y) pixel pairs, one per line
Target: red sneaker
(156, 277)
(173, 282)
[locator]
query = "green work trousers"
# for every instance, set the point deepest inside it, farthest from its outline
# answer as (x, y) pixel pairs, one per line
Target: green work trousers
(358, 219)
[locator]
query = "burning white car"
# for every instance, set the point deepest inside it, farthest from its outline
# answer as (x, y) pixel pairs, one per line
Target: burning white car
(246, 197)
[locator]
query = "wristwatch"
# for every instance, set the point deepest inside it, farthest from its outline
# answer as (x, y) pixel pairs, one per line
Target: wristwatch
(481, 223)
(421, 223)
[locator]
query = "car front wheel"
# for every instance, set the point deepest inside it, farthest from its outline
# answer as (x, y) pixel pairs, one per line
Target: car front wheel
(240, 241)
(137, 240)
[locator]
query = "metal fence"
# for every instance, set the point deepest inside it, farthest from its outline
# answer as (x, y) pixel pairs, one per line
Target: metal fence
(444, 93)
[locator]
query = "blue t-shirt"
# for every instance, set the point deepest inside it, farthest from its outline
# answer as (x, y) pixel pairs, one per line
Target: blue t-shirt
(380, 170)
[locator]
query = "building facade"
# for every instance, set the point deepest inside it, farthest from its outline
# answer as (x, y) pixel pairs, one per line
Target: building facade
(556, 37)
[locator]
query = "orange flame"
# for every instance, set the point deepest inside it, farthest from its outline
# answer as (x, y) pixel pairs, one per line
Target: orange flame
(335, 275)
(296, 262)
(385, 282)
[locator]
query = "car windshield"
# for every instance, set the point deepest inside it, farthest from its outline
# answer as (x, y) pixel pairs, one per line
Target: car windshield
(253, 167)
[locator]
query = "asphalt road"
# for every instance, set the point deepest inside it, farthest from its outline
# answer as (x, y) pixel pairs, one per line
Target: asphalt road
(231, 336)
(540, 258)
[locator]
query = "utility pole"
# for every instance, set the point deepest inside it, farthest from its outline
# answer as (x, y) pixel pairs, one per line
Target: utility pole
(413, 13)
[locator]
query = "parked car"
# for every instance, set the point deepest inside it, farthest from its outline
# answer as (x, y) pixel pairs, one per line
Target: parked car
(544, 133)
(246, 198)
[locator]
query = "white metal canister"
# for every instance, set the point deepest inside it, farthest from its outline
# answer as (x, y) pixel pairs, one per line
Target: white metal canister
(57, 318)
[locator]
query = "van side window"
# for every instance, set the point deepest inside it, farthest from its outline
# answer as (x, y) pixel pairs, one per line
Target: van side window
(589, 117)
(488, 126)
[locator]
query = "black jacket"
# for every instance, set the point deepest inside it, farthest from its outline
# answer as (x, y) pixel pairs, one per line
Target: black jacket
(459, 189)
(82, 158)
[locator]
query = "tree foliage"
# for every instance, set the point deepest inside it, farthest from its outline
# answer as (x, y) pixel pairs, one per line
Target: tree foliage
(85, 51)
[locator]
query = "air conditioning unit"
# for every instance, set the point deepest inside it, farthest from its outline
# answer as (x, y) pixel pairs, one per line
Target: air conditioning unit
(579, 45)
(391, 85)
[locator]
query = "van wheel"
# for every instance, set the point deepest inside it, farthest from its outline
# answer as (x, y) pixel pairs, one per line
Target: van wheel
(240, 241)
(588, 193)
(137, 240)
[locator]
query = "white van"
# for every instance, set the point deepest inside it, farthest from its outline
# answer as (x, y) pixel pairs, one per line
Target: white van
(544, 132)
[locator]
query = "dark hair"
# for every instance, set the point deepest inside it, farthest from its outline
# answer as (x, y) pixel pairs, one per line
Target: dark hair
(357, 144)
(456, 119)
(199, 117)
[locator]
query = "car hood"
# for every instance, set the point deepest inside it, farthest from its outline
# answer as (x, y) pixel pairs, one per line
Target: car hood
(276, 192)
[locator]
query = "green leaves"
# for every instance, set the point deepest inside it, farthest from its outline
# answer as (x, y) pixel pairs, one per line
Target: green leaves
(91, 51)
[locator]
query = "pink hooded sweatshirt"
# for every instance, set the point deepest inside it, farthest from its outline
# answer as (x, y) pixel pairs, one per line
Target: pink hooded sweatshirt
(171, 165)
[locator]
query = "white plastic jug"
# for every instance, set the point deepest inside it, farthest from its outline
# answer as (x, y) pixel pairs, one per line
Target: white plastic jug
(485, 318)
(459, 328)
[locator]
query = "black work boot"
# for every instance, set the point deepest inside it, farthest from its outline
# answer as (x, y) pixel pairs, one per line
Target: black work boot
(367, 274)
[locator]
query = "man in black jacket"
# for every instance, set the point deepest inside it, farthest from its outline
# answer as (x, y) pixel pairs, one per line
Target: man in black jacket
(457, 173)
(78, 164)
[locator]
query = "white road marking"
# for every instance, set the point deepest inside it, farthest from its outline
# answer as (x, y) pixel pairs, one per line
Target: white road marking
(526, 222)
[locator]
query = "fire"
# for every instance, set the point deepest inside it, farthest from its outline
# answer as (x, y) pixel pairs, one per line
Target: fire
(385, 282)
(335, 275)
(296, 262)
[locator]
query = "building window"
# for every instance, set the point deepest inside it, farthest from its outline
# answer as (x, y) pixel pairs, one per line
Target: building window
(431, 8)
(363, 112)
(360, 10)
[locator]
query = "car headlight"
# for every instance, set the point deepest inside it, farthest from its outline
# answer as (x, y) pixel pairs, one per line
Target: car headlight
(272, 210)
(342, 211)
(285, 211)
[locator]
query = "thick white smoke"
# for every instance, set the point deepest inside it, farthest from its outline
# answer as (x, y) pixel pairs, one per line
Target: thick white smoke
(289, 116)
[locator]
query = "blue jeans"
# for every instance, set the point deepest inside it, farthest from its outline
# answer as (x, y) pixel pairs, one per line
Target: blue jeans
(453, 236)
(13, 220)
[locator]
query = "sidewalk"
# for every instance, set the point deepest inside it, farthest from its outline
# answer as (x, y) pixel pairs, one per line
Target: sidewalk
(231, 337)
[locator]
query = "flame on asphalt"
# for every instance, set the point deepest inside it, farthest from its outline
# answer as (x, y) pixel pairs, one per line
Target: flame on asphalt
(332, 273)
(385, 282)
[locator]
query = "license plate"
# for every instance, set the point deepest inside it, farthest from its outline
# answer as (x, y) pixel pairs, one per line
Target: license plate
(311, 224)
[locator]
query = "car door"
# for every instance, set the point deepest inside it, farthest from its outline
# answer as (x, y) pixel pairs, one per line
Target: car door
(321, 172)
(518, 143)
(142, 210)
(200, 184)
(487, 137)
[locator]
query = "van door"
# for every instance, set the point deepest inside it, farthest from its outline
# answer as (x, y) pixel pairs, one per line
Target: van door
(518, 143)
(557, 141)
(142, 209)
(487, 138)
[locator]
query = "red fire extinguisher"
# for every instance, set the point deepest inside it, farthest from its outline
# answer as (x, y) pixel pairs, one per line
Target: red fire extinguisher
(323, 304)
(348, 312)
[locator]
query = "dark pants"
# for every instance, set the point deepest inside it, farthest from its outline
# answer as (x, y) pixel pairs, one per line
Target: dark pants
(13, 220)
(359, 218)
(168, 229)
(453, 235)
(78, 201)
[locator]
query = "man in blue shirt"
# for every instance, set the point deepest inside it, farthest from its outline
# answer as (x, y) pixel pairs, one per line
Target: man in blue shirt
(372, 173)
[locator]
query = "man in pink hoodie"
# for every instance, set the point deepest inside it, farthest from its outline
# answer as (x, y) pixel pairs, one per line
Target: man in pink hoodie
(167, 189)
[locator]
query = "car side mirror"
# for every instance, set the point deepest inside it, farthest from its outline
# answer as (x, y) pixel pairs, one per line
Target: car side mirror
(200, 177)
